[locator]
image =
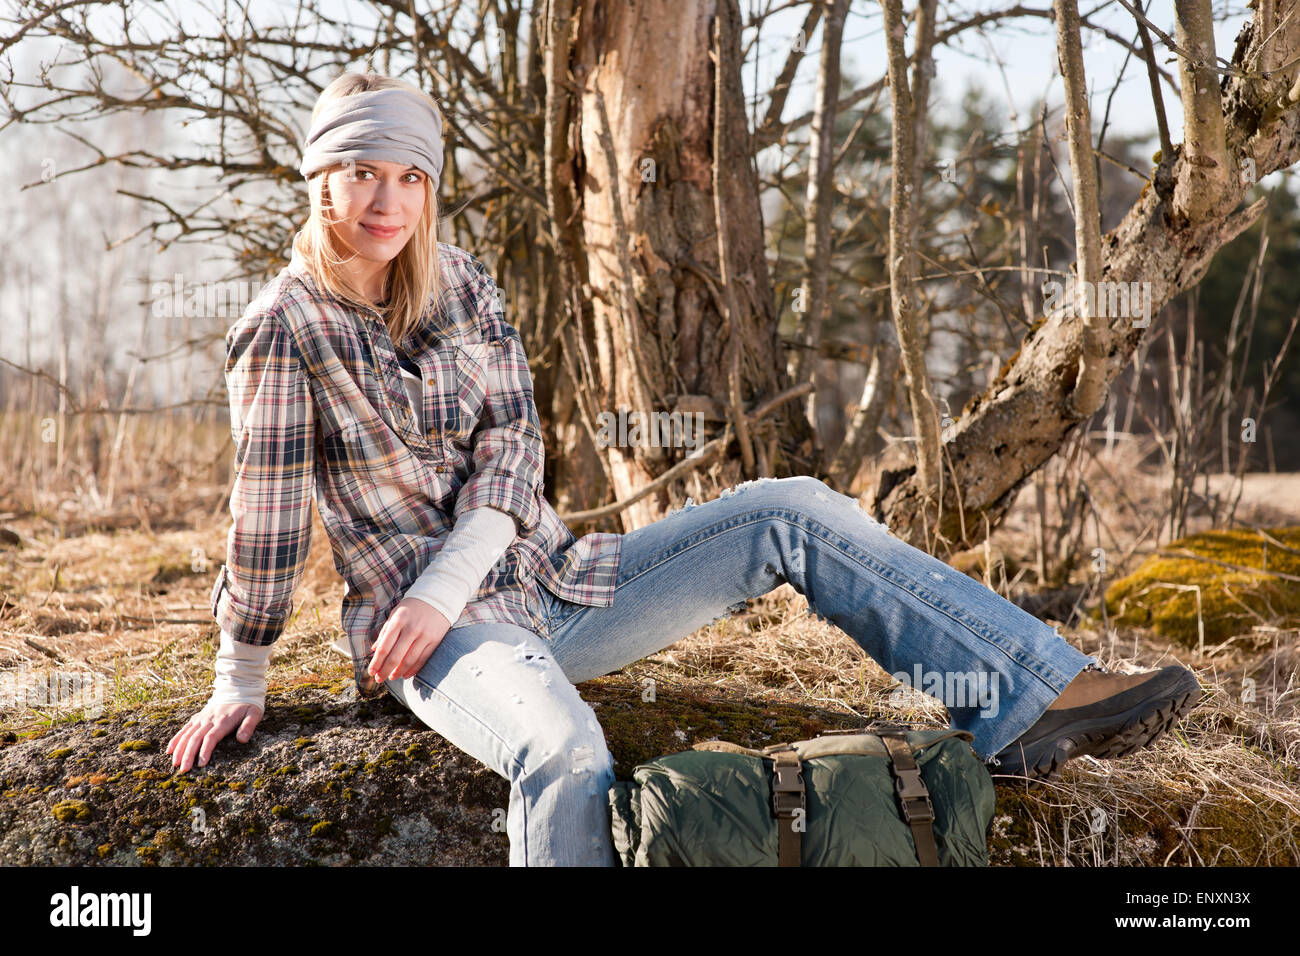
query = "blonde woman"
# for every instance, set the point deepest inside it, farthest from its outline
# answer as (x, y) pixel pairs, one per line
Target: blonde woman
(378, 375)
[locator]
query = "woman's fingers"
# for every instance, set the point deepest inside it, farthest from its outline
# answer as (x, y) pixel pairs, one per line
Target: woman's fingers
(177, 738)
(184, 758)
(412, 632)
(414, 656)
(252, 717)
(194, 744)
(431, 627)
(402, 646)
(388, 636)
(182, 736)
(394, 646)
(427, 647)
(181, 741)
(217, 731)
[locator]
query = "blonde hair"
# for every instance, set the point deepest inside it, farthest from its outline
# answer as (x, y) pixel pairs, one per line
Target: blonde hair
(413, 275)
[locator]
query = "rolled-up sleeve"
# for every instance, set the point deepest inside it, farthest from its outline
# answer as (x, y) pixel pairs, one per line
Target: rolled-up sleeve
(272, 421)
(507, 457)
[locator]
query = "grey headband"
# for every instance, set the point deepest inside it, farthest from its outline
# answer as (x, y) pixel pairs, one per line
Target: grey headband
(393, 126)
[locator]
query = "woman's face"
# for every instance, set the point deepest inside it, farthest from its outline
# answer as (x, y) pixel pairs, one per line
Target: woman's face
(377, 205)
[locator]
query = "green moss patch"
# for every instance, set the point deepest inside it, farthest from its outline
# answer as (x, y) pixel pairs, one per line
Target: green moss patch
(1235, 594)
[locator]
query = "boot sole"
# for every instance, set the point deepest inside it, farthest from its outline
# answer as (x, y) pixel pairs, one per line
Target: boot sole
(1141, 726)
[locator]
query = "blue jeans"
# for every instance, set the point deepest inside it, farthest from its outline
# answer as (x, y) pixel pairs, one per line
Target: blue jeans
(505, 694)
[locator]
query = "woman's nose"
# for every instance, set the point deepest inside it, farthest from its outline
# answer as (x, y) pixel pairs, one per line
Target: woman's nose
(384, 198)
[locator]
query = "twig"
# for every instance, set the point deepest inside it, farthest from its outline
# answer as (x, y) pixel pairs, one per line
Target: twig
(44, 650)
(1271, 540)
(167, 620)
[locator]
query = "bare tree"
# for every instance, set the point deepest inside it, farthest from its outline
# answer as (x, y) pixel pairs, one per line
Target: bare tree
(1021, 420)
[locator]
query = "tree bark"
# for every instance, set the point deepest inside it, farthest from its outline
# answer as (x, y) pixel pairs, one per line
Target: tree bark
(820, 208)
(1202, 192)
(663, 335)
(878, 388)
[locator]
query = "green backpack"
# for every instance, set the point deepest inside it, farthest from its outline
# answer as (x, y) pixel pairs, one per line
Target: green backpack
(882, 798)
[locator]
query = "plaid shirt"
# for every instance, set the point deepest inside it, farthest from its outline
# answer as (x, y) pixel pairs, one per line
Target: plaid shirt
(318, 409)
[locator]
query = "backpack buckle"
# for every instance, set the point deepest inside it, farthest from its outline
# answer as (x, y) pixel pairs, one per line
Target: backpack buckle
(788, 792)
(913, 796)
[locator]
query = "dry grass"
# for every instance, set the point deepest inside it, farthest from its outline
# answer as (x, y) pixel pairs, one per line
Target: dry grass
(128, 599)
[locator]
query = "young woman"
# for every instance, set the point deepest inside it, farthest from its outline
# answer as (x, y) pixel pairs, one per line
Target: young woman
(377, 374)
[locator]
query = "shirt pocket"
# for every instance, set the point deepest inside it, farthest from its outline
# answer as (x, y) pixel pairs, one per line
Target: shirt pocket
(455, 392)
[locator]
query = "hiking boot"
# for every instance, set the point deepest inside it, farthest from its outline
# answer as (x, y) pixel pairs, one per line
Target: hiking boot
(1102, 715)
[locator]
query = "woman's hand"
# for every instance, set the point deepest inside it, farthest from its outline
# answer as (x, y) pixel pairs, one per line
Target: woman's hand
(207, 728)
(412, 632)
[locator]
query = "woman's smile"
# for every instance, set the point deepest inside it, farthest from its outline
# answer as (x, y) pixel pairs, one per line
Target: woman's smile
(382, 232)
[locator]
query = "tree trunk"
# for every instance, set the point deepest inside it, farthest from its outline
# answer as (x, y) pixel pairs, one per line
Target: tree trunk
(878, 388)
(902, 269)
(819, 210)
(1090, 387)
(643, 160)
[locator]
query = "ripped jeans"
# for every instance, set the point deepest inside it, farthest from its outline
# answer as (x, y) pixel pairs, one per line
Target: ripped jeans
(494, 690)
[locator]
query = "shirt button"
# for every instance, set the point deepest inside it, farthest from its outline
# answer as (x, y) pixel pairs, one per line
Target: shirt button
(429, 382)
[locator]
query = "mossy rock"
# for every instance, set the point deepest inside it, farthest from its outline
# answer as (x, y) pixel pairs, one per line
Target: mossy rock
(384, 789)
(1231, 600)
(424, 802)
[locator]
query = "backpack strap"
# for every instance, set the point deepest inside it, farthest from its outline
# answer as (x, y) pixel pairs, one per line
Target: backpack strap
(788, 795)
(913, 796)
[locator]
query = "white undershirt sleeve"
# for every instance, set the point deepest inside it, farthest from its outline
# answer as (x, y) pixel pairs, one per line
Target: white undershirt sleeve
(241, 673)
(479, 538)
